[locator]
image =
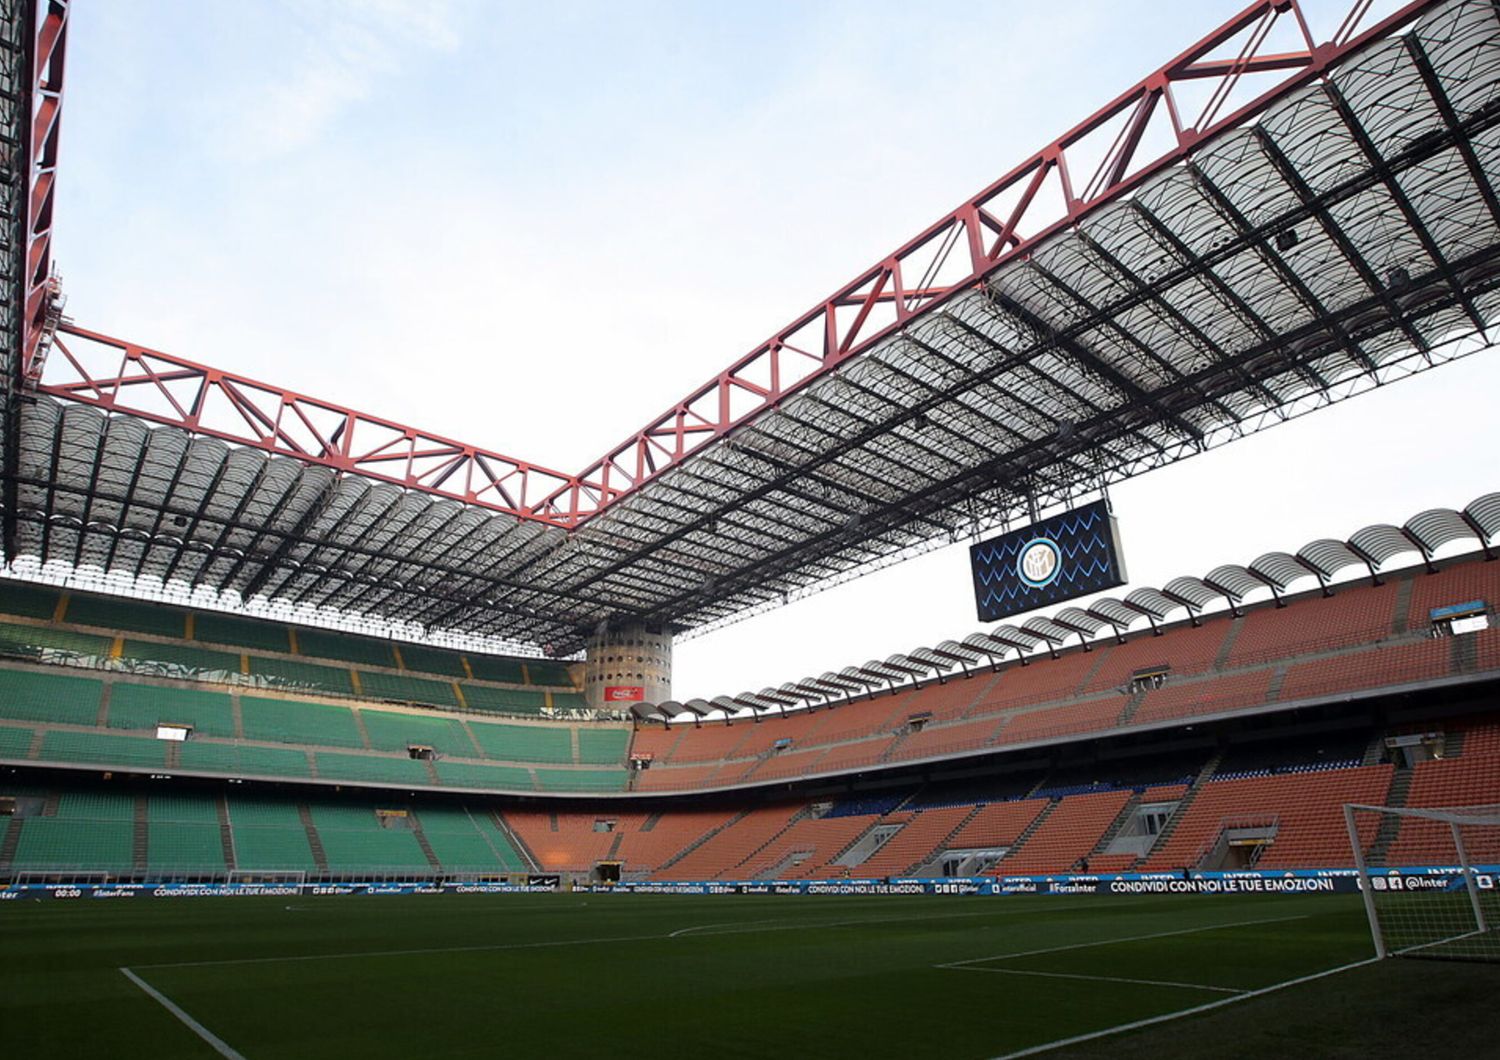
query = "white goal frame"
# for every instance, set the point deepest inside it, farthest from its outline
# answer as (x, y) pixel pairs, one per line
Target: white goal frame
(1482, 925)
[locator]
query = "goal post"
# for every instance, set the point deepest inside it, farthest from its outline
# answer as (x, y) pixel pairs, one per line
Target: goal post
(1428, 879)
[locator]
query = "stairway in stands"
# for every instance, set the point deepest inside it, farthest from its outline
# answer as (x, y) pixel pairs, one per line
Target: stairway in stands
(1183, 805)
(998, 869)
(704, 838)
(415, 823)
(11, 841)
(226, 833)
(942, 844)
(1121, 820)
(805, 811)
(532, 864)
(1390, 823)
(314, 841)
(139, 851)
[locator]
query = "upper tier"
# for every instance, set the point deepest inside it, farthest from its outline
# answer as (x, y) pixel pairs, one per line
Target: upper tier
(153, 639)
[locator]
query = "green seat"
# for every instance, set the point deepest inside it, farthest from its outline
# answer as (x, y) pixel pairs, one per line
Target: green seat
(357, 818)
(103, 749)
(346, 647)
(380, 850)
(217, 628)
(390, 731)
(569, 701)
(94, 846)
(273, 850)
(143, 706)
(427, 660)
(384, 770)
(551, 674)
(96, 805)
(28, 599)
(35, 642)
(406, 689)
(137, 616)
(495, 778)
(179, 847)
(263, 813)
(242, 760)
(503, 700)
(292, 675)
(14, 742)
(30, 696)
(524, 743)
(292, 721)
(501, 668)
(189, 659)
(581, 779)
(602, 746)
(462, 845)
(183, 808)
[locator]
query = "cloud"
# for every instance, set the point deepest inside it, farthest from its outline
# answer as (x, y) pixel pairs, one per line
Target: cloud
(335, 55)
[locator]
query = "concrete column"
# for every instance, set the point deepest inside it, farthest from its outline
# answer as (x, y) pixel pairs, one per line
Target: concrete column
(628, 657)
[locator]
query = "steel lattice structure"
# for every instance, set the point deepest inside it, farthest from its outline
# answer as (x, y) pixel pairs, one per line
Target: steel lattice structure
(1322, 220)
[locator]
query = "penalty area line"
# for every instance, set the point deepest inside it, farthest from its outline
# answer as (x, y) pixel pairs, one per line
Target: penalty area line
(1195, 1010)
(1110, 942)
(219, 1045)
(1099, 978)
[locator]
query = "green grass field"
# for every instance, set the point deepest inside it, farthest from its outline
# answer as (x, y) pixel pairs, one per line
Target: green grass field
(692, 976)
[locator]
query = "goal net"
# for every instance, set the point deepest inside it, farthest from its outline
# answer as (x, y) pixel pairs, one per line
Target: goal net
(1428, 878)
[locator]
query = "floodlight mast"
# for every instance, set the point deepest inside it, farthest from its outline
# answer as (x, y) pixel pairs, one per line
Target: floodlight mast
(1007, 219)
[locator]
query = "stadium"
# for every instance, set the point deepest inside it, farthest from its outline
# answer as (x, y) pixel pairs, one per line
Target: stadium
(410, 703)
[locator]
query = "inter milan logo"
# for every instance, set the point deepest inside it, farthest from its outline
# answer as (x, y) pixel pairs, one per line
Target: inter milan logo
(1039, 562)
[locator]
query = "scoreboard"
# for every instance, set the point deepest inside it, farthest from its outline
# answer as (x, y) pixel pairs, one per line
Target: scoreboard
(1060, 558)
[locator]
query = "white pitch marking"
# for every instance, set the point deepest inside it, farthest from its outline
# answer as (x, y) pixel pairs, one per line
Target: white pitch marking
(1207, 1007)
(739, 923)
(1128, 938)
(218, 1044)
(1102, 978)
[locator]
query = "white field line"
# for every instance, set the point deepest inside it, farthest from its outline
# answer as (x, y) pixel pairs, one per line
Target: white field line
(1102, 978)
(215, 1042)
(705, 927)
(1209, 1006)
(750, 929)
(1128, 938)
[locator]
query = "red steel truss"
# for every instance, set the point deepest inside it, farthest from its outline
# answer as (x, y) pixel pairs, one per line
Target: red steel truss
(46, 78)
(1155, 124)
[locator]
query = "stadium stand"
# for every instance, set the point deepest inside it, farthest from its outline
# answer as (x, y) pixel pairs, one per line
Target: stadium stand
(918, 840)
(296, 721)
(30, 695)
(1283, 821)
(269, 834)
(1269, 802)
(1072, 829)
(133, 706)
(112, 632)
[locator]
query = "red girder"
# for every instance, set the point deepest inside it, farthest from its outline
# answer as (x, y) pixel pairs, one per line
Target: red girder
(46, 81)
(161, 388)
(1007, 219)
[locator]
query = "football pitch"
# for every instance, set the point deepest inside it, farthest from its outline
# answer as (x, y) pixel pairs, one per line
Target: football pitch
(722, 976)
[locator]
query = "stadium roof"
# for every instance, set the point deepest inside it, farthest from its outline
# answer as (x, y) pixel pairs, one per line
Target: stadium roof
(1265, 232)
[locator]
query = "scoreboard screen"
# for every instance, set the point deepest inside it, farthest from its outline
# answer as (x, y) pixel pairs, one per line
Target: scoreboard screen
(1061, 558)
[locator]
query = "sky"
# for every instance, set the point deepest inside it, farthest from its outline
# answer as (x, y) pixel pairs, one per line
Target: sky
(533, 227)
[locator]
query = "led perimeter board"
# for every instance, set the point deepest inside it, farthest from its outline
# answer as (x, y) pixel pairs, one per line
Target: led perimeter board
(1067, 556)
